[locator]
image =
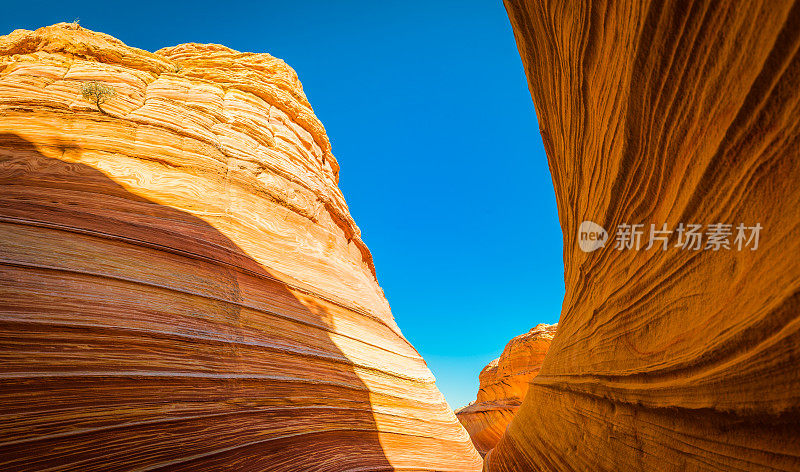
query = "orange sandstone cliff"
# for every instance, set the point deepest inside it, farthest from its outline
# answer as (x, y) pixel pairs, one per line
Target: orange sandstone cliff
(182, 285)
(676, 359)
(503, 384)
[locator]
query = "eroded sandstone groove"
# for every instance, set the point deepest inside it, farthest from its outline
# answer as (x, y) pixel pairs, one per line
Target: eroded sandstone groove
(667, 112)
(503, 384)
(183, 287)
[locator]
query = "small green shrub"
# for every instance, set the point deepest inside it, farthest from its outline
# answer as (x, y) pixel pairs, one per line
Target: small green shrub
(97, 93)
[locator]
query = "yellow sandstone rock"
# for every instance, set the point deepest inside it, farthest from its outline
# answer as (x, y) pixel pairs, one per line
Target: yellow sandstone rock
(503, 385)
(183, 286)
(667, 360)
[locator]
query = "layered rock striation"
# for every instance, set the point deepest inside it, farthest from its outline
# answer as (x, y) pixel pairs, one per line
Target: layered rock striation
(182, 285)
(503, 384)
(673, 358)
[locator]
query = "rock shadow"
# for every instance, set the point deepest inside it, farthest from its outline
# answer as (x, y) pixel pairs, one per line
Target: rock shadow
(138, 336)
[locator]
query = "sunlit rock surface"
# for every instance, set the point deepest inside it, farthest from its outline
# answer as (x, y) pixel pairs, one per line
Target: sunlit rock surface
(667, 360)
(503, 384)
(182, 284)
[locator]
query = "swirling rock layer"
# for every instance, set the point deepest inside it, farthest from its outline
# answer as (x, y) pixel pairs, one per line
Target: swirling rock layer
(183, 287)
(503, 384)
(652, 113)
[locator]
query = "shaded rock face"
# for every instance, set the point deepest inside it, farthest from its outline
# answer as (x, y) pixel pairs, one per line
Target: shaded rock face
(183, 287)
(668, 360)
(503, 384)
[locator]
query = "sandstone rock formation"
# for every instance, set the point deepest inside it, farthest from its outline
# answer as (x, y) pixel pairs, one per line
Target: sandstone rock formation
(182, 284)
(676, 359)
(503, 384)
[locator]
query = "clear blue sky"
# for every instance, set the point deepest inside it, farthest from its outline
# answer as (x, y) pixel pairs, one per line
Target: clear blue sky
(427, 107)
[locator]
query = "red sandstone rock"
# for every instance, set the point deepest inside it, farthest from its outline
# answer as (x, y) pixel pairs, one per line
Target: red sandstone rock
(667, 360)
(182, 284)
(503, 384)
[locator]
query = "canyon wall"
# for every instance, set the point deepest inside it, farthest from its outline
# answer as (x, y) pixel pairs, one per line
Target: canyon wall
(676, 358)
(182, 284)
(502, 386)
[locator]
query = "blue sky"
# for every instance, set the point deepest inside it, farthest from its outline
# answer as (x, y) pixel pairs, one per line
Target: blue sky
(428, 110)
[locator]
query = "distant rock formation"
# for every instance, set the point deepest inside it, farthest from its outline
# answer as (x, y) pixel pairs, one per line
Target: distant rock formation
(503, 384)
(182, 285)
(667, 359)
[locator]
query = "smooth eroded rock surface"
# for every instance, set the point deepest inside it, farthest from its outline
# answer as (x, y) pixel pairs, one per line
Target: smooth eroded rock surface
(502, 386)
(182, 285)
(667, 360)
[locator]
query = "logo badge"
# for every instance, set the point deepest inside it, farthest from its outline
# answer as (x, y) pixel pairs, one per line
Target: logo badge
(591, 236)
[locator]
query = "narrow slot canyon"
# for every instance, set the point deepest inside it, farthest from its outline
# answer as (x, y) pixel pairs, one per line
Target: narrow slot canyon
(183, 286)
